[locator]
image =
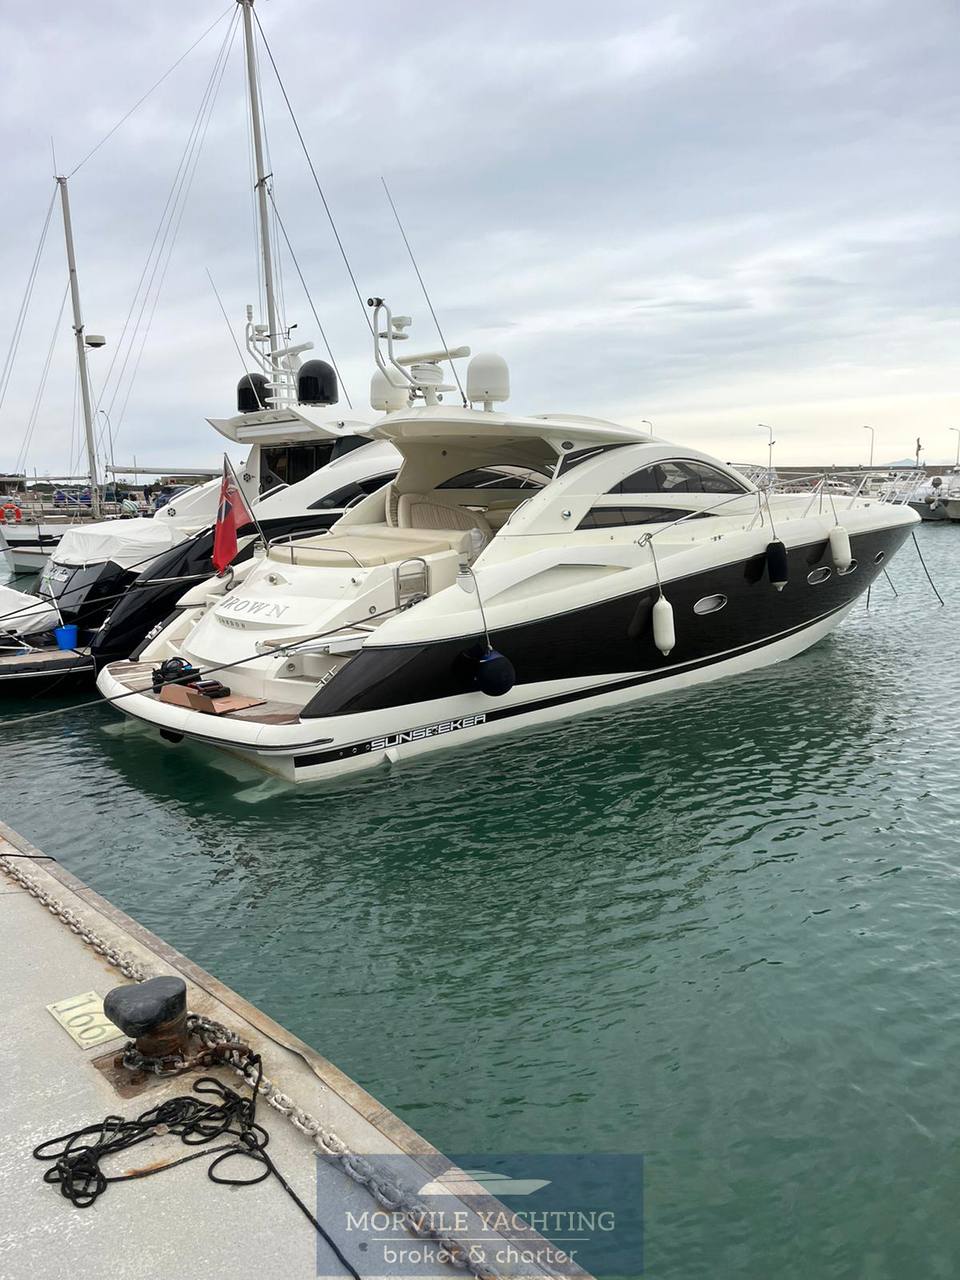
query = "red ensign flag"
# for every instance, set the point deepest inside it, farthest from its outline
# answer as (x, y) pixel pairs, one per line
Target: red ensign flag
(232, 513)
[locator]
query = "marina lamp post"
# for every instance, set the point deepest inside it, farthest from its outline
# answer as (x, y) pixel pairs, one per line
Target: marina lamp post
(647, 423)
(956, 430)
(872, 439)
(762, 426)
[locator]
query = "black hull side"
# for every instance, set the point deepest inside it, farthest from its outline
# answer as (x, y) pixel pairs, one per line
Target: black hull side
(45, 673)
(927, 511)
(88, 593)
(616, 636)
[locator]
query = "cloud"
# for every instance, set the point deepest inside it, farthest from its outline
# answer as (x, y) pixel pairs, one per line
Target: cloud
(704, 216)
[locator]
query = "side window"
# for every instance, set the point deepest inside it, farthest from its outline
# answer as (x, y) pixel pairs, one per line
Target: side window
(678, 477)
(286, 464)
(347, 494)
(649, 480)
(613, 517)
(488, 478)
(571, 460)
(711, 480)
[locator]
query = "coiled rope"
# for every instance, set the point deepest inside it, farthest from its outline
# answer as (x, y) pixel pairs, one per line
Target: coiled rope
(212, 1111)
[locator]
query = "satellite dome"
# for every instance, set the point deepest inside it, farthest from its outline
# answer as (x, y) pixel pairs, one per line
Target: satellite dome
(252, 393)
(384, 396)
(317, 383)
(488, 379)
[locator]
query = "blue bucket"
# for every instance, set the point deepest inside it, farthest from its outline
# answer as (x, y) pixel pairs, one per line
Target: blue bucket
(66, 636)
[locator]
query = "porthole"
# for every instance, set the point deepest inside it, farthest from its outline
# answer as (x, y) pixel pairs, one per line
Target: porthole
(879, 557)
(710, 604)
(849, 569)
(816, 576)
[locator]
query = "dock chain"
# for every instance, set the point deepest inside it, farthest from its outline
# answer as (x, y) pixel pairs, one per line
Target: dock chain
(122, 960)
(390, 1195)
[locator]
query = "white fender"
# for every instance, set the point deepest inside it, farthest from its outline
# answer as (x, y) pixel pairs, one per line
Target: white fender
(840, 547)
(664, 632)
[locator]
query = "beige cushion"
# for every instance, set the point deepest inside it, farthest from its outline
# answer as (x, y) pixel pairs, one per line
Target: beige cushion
(330, 551)
(427, 511)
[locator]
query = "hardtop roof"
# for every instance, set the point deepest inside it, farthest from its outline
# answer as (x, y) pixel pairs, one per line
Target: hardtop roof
(439, 423)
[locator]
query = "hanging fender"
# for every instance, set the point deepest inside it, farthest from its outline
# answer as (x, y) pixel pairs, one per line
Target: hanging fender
(495, 674)
(664, 631)
(777, 567)
(840, 548)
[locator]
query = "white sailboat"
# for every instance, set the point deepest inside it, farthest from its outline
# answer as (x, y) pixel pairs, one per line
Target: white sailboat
(291, 427)
(31, 536)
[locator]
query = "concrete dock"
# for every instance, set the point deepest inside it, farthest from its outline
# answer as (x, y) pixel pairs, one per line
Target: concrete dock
(359, 1169)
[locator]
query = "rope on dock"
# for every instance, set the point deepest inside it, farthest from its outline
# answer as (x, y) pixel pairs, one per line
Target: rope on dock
(76, 1157)
(417, 1217)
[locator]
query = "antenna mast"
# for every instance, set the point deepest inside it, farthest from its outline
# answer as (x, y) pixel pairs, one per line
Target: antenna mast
(95, 504)
(261, 184)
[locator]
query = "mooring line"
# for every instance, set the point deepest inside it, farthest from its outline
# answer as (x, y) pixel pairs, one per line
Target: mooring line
(927, 571)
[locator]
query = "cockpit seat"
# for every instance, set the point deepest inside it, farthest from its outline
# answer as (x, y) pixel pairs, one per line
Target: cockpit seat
(367, 546)
(392, 505)
(428, 511)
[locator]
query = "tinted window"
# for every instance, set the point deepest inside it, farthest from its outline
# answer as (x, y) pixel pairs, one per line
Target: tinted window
(350, 493)
(609, 517)
(571, 460)
(288, 463)
(678, 477)
(347, 444)
(483, 478)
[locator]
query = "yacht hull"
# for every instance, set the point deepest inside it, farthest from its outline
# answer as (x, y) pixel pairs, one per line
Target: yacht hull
(932, 511)
(46, 670)
(30, 544)
(390, 705)
(442, 727)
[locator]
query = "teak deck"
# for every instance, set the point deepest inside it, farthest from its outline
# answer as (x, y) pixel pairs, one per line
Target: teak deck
(137, 677)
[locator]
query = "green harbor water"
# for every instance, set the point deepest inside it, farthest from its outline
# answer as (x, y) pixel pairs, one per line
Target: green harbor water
(721, 929)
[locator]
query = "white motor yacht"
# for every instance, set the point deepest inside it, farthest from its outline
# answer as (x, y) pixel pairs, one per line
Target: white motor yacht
(938, 497)
(95, 563)
(518, 570)
(117, 579)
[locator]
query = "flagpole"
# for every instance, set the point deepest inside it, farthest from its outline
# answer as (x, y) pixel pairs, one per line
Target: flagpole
(249, 505)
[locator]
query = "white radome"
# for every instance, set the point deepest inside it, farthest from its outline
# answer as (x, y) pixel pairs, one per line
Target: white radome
(488, 379)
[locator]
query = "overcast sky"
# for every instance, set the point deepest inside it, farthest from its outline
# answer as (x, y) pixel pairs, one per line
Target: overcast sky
(704, 215)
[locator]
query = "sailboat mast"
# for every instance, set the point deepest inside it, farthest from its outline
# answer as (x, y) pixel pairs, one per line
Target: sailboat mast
(261, 185)
(81, 352)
